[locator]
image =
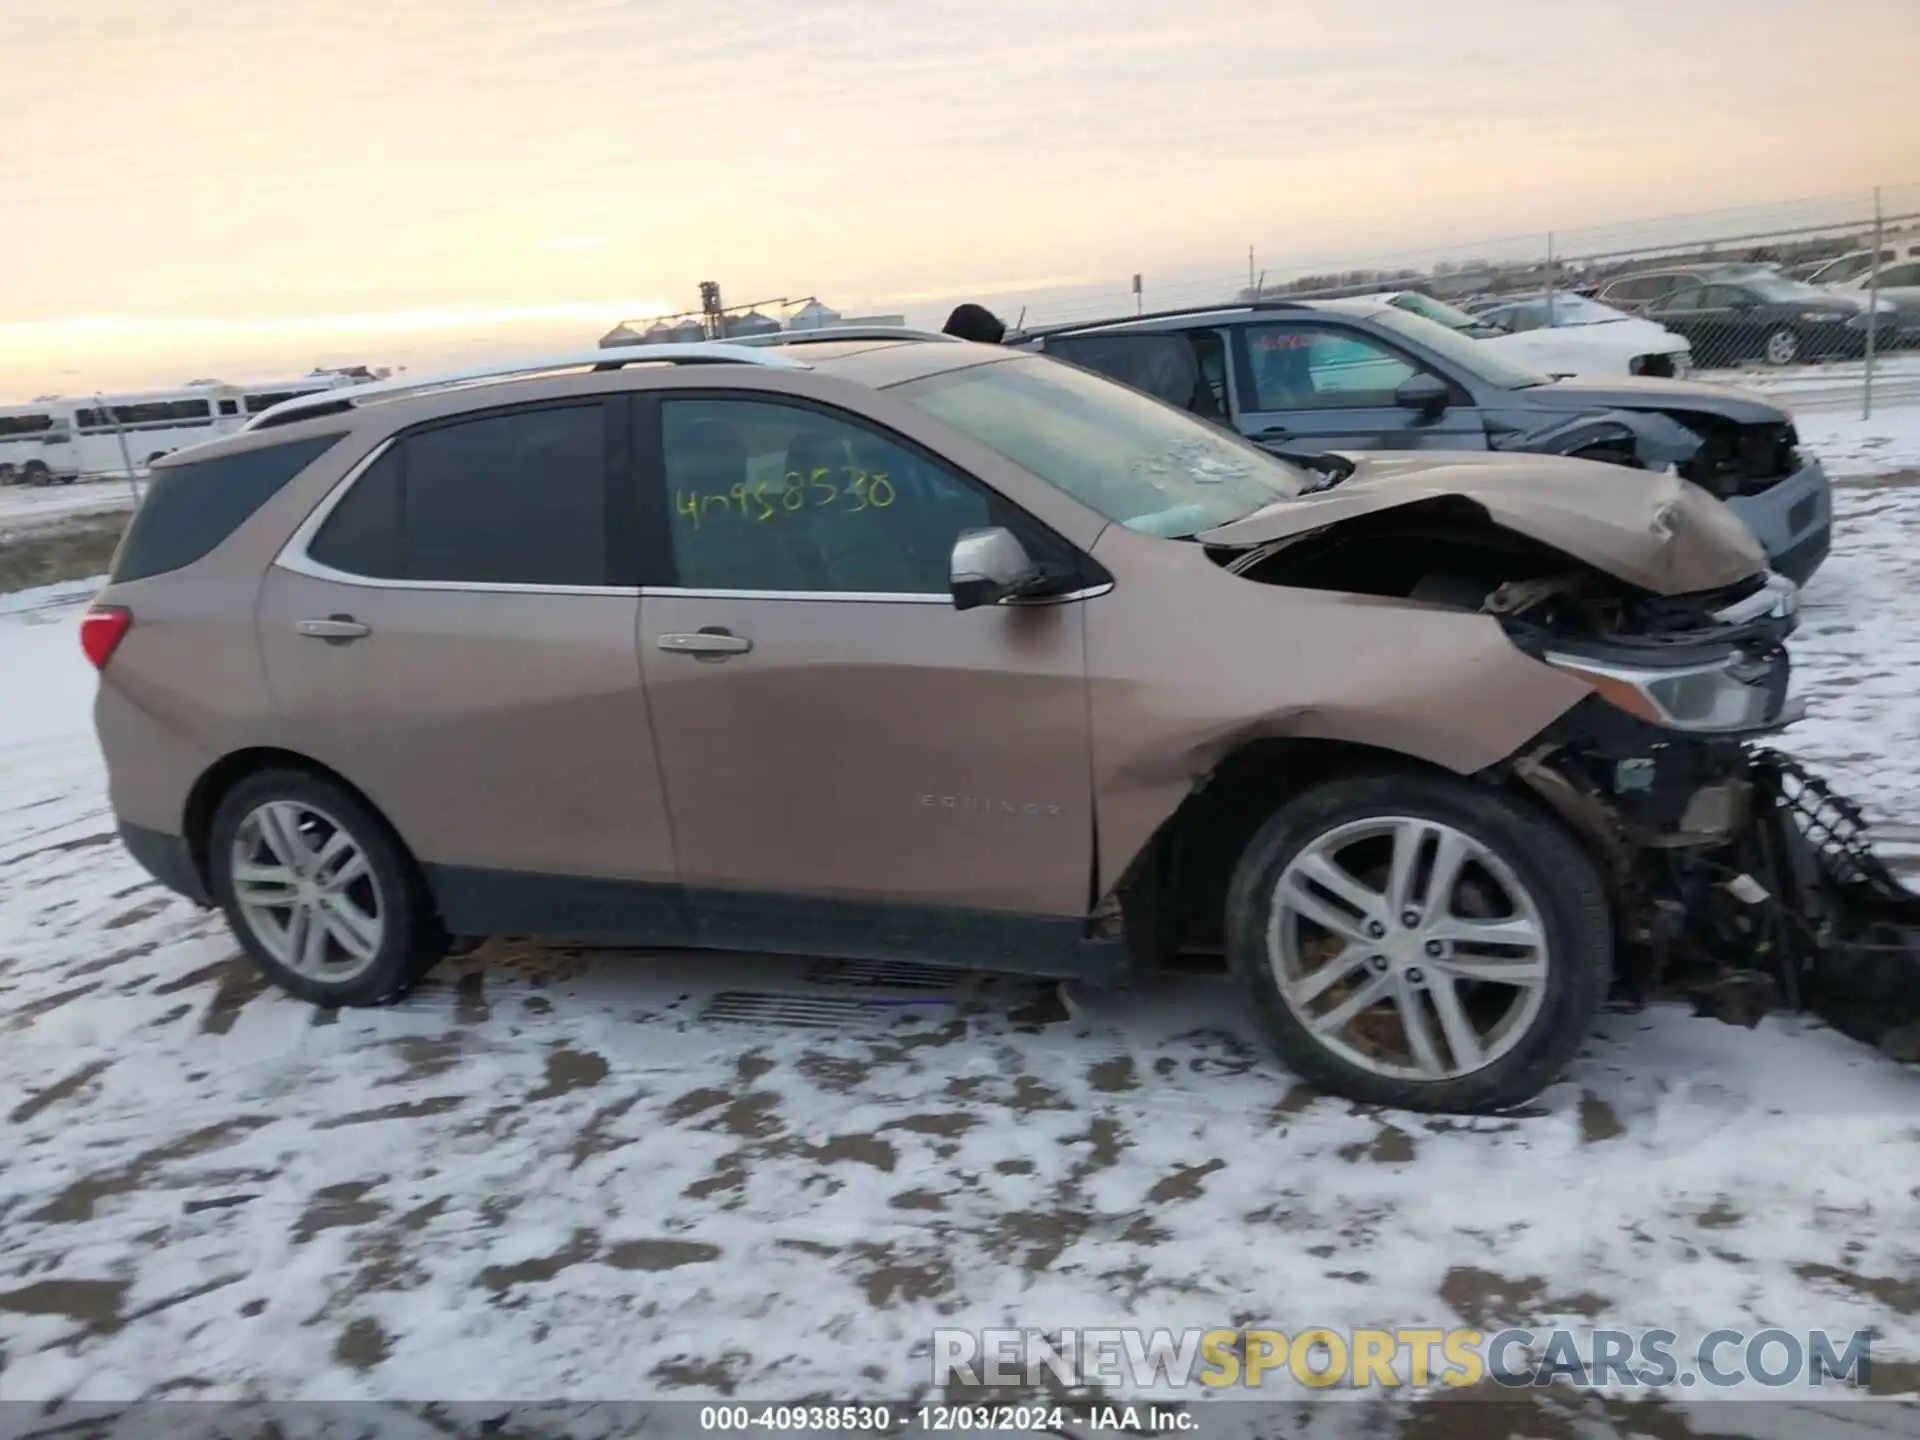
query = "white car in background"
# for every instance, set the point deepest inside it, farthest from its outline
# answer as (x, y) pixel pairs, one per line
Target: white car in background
(1576, 336)
(1897, 287)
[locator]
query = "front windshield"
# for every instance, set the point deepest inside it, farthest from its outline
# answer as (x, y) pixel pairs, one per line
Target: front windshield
(1124, 455)
(1778, 287)
(1481, 359)
(1437, 311)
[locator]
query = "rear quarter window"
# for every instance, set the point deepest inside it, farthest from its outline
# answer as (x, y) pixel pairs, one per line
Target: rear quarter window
(191, 507)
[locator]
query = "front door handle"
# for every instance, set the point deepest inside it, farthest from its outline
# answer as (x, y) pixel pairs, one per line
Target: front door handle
(339, 629)
(712, 643)
(1274, 432)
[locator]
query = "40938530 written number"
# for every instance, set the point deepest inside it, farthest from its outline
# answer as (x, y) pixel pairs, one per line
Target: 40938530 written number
(758, 501)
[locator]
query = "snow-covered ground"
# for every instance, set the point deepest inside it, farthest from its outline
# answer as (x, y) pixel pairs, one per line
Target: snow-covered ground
(1855, 450)
(556, 1174)
(1896, 379)
(32, 507)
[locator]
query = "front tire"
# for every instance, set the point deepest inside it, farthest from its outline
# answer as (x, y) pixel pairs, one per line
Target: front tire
(320, 892)
(1782, 347)
(1420, 942)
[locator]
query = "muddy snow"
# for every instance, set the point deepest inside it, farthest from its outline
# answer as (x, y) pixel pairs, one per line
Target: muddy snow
(555, 1174)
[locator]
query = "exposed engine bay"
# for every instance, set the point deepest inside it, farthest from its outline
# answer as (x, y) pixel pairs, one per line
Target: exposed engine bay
(1739, 879)
(1722, 456)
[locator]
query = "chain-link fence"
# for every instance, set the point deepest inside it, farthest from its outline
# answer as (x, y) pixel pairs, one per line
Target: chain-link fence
(1749, 295)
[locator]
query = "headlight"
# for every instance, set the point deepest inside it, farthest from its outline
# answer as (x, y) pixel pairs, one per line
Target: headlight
(1728, 695)
(1821, 317)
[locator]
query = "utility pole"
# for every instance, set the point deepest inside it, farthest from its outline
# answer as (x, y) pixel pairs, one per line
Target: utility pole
(126, 456)
(1550, 316)
(1252, 284)
(1873, 311)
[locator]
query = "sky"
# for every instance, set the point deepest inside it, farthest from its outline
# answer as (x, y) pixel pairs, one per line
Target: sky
(248, 188)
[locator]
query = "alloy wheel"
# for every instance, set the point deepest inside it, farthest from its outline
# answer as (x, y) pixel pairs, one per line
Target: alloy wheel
(1408, 948)
(304, 887)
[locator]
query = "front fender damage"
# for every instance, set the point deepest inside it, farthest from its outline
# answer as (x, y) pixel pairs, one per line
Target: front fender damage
(1741, 881)
(1645, 439)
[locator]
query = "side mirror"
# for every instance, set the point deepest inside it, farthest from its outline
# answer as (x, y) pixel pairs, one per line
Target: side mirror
(988, 566)
(1426, 393)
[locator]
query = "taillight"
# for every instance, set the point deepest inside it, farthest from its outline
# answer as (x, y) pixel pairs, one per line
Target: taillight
(101, 631)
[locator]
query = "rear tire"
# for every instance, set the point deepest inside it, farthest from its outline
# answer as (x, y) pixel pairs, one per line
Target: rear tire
(36, 472)
(320, 892)
(1517, 868)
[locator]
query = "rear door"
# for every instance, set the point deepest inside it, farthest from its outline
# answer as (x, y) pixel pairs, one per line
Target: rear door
(852, 766)
(1681, 313)
(1307, 386)
(453, 631)
(1732, 321)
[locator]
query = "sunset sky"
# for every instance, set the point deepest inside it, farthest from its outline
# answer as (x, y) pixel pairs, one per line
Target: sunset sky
(248, 187)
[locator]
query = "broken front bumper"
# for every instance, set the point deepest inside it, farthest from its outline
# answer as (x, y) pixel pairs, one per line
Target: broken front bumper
(1740, 880)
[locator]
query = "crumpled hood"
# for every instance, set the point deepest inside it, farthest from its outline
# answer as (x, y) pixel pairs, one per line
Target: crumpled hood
(1656, 531)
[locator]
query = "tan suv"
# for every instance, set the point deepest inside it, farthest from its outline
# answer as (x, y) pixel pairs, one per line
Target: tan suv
(908, 648)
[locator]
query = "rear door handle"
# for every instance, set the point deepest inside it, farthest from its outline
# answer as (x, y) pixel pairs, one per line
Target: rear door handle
(1274, 432)
(710, 644)
(337, 628)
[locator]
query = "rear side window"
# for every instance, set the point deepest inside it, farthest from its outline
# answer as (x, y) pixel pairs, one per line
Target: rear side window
(192, 507)
(514, 499)
(1165, 366)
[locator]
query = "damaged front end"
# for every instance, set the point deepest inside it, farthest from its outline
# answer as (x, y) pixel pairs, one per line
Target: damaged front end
(1644, 439)
(1740, 880)
(1737, 877)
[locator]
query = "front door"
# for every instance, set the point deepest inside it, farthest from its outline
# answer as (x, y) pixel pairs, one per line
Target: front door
(852, 766)
(449, 641)
(1310, 386)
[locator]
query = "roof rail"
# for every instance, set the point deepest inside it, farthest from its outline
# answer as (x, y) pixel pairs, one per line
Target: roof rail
(340, 400)
(1035, 332)
(827, 334)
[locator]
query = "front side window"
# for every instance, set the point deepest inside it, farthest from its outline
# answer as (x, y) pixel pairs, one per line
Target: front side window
(776, 497)
(1438, 311)
(1681, 301)
(1312, 367)
(1477, 359)
(14, 426)
(1570, 310)
(1125, 456)
(509, 499)
(1517, 319)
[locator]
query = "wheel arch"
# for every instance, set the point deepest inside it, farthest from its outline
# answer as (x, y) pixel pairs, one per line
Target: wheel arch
(219, 779)
(1175, 888)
